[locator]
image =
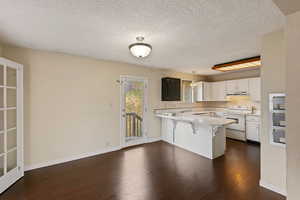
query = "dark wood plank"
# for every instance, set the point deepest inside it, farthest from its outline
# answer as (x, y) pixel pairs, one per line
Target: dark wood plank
(149, 172)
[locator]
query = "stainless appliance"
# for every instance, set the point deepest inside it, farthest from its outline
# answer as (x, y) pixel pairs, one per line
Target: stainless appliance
(237, 130)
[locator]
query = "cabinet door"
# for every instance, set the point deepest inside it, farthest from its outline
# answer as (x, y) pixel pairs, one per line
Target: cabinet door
(243, 85)
(207, 91)
(252, 131)
(169, 132)
(214, 91)
(222, 91)
(218, 91)
(254, 89)
(198, 92)
(231, 86)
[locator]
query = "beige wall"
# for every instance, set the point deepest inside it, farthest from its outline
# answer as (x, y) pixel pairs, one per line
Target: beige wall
(234, 75)
(72, 103)
(273, 158)
(293, 102)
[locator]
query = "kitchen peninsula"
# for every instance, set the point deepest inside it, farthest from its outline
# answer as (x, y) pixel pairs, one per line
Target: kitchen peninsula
(201, 132)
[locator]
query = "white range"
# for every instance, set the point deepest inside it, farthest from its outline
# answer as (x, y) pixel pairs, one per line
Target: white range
(237, 130)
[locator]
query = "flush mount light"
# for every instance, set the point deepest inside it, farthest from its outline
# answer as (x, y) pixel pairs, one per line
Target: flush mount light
(140, 49)
(239, 64)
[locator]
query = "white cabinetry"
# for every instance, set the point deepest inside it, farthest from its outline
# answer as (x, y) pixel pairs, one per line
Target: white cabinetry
(237, 86)
(253, 128)
(254, 89)
(202, 91)
(167, 130)
(207, 91)
(218, 91)
(231, 86)
(243, 85)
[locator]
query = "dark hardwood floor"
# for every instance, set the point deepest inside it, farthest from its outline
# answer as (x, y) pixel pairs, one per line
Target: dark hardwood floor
(149, 172)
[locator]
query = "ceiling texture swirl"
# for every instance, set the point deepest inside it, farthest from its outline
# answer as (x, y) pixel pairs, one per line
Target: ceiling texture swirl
(189, 35)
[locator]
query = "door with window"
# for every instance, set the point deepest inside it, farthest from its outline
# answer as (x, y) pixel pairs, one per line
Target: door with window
(11, 123)
(133, 110)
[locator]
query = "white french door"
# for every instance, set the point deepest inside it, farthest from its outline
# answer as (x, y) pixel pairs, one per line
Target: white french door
(133, 110)
(11, 123)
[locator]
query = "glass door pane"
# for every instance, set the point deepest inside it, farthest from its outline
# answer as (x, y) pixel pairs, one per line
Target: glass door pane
(1, 98)
(11, 140)
(1, 165)
(1, 75)
(11, 160)
(1, 121)
(134, 106)
(1, 143)
(11, 97)
(11, 118)
(11, 77)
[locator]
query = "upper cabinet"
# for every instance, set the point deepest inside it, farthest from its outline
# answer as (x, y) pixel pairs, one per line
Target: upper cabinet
(218, 91)
(207, 96)
(243, 85)
(231, 87)
(240, 86)
(254, 89)
(201, 91)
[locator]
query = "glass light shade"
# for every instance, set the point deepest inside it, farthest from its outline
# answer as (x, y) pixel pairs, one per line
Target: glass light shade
(140, 50)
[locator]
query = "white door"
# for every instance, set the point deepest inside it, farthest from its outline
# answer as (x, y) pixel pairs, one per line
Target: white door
(133, 110)
(11, 123)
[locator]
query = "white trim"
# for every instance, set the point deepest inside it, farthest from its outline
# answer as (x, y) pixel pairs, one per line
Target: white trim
(80, 156)
(71, 158)
(12, 176)
(143, 139)
(156, 139)
(272, 187)
(271, 110)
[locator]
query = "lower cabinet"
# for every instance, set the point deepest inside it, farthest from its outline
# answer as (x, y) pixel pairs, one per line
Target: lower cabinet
(167, 130)
(253, 128)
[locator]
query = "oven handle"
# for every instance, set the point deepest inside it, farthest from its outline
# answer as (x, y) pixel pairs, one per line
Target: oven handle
(235, 119)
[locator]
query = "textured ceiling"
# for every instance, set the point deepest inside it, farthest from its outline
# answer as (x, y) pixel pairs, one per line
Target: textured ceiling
(288, 6)
(186, 35)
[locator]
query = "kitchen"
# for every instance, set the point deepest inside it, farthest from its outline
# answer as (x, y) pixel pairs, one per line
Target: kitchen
(236, 102)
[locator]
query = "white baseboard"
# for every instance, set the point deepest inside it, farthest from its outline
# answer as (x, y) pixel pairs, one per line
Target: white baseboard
(80, 156)
(272, 187)
(71, 158)
(154, 139)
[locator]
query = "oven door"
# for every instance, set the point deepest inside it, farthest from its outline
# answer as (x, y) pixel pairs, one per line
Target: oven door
(239, 122)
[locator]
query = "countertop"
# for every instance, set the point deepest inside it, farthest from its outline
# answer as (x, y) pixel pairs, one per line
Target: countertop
(257, 114)
(198, 120)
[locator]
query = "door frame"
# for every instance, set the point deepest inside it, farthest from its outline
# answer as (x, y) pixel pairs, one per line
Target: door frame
(144, 139)
(15, 174)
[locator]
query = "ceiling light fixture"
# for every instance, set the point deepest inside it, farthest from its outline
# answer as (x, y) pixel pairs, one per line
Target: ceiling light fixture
(239, 64)
(140, 49)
